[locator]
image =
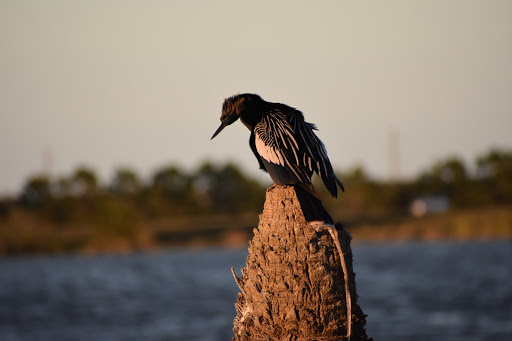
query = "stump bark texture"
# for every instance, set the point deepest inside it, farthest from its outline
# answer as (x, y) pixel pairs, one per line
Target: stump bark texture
(294, 286)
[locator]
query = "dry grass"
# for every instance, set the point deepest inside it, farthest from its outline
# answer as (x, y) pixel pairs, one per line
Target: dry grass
(481, 224)
(22, 232)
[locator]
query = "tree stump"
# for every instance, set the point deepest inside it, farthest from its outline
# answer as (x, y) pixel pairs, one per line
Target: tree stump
(295, 286)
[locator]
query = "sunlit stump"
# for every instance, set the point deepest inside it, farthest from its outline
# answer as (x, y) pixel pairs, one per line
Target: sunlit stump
(298, 282)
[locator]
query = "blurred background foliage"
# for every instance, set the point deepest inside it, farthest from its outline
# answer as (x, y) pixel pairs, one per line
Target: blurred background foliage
(78, 211)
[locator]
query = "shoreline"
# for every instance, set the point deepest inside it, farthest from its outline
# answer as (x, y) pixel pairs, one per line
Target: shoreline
(38, 238)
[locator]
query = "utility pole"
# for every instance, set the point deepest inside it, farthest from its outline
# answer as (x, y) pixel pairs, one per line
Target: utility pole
(394, 155)
(47, 162)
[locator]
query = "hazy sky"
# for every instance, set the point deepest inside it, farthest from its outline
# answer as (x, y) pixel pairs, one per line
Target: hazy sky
(141, 83)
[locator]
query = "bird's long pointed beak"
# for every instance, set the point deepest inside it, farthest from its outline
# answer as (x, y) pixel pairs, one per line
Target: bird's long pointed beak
(222, 126)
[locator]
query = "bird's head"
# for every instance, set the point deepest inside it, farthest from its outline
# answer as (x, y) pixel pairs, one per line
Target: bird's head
(234, 107)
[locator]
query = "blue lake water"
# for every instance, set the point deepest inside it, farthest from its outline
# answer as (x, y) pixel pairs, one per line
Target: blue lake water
(421, 291)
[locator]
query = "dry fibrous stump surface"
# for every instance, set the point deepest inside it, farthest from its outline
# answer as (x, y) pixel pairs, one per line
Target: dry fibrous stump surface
(295, 285)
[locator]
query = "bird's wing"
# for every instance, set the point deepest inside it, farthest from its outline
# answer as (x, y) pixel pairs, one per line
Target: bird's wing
(281, 144)
(315, 150)
(288, 142)
(252, 144)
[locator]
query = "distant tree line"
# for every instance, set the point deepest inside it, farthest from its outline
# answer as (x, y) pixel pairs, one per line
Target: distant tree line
(122, 204)
(487, 182)
(225, 188)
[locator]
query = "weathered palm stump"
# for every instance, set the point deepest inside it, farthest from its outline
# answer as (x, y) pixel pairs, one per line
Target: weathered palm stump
(295, 285)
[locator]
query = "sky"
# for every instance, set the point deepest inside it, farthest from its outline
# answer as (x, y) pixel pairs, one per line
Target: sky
(140, 84)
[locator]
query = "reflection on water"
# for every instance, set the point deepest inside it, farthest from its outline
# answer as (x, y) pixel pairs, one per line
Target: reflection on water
(446, 291)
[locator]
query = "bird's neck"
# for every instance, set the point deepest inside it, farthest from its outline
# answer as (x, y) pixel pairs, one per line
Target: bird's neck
(250, 127)
(252, 115)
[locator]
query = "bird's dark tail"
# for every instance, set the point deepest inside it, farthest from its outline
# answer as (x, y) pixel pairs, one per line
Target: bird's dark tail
(339, 183)
(331, 183)
(311, 204)
(308, 187)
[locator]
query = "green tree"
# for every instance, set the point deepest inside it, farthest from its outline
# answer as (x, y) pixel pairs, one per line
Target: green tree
(226, 188)
(449, 178)
(36, 191)
(451, 171)
(173, 183)
(495, 172)
(125, 182)
(84, 182)
(63, 187)
(170, 192)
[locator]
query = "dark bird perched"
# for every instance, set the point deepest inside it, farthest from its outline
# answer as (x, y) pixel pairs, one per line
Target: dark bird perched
(284, 144)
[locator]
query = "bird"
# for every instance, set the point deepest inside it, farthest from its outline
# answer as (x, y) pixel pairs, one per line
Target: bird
(284, 144)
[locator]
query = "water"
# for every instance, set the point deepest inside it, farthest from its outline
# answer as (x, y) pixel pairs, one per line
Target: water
(420, 291)
(441, 291)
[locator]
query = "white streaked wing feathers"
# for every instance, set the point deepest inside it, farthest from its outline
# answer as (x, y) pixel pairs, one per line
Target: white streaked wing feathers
(276, 142)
